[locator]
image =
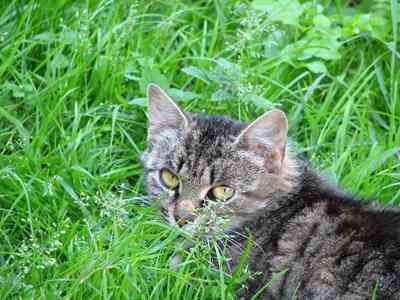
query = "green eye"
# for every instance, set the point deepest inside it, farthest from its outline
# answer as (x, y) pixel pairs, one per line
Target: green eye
(221, 193)
(169, 179)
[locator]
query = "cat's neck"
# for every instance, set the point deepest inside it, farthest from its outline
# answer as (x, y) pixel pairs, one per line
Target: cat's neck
(267, 227)
(315, 188)
(311, 188)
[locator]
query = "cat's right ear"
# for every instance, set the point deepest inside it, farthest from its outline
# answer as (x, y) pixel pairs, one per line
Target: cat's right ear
(267, 136)
(164, 114)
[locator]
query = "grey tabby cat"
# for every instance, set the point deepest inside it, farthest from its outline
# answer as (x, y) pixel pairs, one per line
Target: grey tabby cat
(331, 245)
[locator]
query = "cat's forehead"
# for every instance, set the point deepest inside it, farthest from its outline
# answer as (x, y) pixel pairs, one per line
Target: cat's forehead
(209, 139)
(212, 131)
(206, 152)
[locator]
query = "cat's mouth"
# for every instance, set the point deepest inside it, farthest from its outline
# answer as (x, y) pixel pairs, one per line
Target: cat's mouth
(182, 222)
(203, 223)
(170, 217)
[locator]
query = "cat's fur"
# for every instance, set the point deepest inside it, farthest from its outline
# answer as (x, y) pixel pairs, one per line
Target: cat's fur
(328, 244)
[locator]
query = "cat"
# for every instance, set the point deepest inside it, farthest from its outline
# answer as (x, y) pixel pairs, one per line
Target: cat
(328, 244)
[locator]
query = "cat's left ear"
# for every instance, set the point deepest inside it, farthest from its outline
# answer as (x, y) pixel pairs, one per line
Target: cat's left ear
(267, 136)
(164, 114)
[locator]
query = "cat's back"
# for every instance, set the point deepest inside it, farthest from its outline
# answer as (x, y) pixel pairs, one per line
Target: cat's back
(339, 248)
(332, 247)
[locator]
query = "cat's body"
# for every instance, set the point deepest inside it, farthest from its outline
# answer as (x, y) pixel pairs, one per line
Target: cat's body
(326, 246)
(322, 242)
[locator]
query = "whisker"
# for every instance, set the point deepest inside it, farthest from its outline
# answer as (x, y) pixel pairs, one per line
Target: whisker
(246, 237)
(235, 243)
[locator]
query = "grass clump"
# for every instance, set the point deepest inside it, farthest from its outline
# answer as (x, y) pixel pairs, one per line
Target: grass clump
(72, 125)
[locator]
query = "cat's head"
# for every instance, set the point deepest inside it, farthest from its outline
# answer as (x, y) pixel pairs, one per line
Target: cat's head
(211, 173)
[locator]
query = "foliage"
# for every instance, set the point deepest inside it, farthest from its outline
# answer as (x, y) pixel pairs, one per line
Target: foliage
(73, 75)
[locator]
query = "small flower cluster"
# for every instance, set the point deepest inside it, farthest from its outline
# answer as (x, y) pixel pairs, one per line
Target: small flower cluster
(13, 144)
(253, 31)
(112, 206)
(34, 255)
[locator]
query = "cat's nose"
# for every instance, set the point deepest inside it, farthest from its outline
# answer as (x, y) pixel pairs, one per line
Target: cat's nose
(185, 211)
(182, 222)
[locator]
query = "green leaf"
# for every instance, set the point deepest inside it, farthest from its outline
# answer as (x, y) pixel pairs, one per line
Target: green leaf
(219, 77)
(180, 95)
(233, 70)
(196, 73)
(322, 22)
(59, 62)
(285, 11)
(317, 67)
(151, 74)
(69, 36)
(18, 91)
(44, 36)
(220, 95)
(17, 123)
(225, 72)
(257, 100)
(372, 24)
(139, 101)
(274, 43)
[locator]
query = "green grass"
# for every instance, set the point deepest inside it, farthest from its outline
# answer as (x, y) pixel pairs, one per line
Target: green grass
(73, 123)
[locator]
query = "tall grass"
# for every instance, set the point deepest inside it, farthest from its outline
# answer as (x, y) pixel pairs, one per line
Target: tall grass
(73, 123)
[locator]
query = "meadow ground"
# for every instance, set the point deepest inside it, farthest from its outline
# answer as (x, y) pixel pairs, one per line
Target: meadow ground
(73, 123)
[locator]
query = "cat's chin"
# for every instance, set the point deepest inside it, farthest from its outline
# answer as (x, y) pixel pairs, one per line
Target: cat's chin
(194, 231)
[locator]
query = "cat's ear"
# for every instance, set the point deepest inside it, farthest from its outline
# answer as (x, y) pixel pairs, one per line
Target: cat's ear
(163, 112)
(267, 136)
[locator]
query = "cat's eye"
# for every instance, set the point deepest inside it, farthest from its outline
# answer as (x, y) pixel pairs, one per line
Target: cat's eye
(221, 193)
(169, 179)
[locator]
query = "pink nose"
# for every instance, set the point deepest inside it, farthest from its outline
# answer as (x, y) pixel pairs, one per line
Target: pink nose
(184, 211)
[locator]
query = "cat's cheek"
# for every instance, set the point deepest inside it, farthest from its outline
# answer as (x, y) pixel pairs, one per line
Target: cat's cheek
(153, 186)
(143, 159)
(236, 223)
(246, 205)
(230, 212)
